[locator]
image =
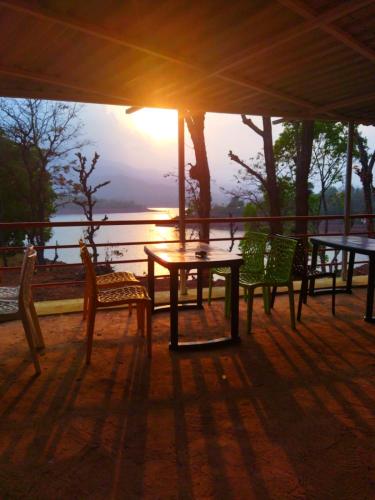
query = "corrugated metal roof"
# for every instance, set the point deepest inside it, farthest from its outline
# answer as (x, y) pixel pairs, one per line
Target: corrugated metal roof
(289, 58)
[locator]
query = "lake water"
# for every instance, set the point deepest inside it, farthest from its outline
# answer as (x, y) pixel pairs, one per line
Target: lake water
(149, 232)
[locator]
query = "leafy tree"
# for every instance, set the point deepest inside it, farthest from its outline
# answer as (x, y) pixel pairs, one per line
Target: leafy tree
(365, 173)
(264, 173)
(13, 186)
(328, 158)
(46, 133)
(84, 196)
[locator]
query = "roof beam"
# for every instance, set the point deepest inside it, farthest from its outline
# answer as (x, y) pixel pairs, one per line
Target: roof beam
(262, 48)
(343, 103)
(313, 22)
(37, 77)
(303, 10)
(97, 32)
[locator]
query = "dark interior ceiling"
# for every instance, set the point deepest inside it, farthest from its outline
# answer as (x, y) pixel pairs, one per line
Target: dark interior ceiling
(286, 58)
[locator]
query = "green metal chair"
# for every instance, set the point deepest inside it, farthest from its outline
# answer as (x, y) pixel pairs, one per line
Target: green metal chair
(253, 249)
(278, 272)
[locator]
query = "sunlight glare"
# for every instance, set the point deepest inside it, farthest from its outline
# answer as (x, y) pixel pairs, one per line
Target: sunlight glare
(159, 125)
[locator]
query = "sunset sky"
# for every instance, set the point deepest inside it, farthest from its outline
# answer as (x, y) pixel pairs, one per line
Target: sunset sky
(147, 139)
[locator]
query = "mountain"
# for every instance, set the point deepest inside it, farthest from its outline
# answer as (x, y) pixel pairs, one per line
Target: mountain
(143, 187)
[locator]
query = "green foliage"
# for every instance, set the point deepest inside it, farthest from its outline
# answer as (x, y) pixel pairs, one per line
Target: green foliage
(12, 189)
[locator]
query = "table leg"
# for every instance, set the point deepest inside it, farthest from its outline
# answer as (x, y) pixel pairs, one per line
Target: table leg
(151, 280)
(370, 290)
(199, 287)
(234, 290)
(174, 307)
(314, 258)
(349, 278)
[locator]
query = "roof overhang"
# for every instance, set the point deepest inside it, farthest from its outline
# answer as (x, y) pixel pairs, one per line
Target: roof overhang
(287, 58)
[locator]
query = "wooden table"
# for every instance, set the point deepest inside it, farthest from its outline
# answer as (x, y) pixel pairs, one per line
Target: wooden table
(352, 244)
(175, 256)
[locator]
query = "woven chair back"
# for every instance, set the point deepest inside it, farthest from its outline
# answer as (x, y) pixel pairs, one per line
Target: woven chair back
(90, 271)
(27, 272)
(253, 251)
(280, 260)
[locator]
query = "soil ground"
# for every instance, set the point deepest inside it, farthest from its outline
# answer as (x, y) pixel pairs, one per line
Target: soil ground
(284, 414)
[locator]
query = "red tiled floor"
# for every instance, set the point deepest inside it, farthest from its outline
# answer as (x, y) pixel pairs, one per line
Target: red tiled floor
(285, 414)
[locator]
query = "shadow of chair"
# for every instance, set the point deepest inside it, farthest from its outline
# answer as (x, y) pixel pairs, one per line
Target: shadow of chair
(111, 297)
(302, 271)
(110, 280)
(278, 272)
(23, 308)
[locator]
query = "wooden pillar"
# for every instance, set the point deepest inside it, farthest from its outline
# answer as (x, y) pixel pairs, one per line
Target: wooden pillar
(181, 193)
(181, 175)
(348, 194)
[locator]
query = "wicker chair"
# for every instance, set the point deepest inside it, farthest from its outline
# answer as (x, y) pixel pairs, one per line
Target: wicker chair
(109, 297)
(301, 271)
(110, 280)
(12, 292)
(253, 248)
(278, 272)
(23, 309)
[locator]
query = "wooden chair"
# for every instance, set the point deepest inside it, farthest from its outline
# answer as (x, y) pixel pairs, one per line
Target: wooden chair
(12, 292)
(110, 280)
(23, 309)
(109, 297)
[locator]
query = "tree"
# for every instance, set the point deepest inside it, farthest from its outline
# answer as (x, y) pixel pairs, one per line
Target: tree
(266, 176)
(12, 188)
(315, 153)
(46, 134)
(364, 172)
(200, 171)
(84, 196)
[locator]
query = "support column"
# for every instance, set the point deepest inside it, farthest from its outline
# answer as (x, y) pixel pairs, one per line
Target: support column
(348, 195)
(181, 192)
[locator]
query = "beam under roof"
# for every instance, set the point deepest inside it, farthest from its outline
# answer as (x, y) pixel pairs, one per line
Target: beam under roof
(97, 32)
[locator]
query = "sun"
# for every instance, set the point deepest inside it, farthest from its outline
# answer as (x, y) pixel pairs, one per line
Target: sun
(157, 124)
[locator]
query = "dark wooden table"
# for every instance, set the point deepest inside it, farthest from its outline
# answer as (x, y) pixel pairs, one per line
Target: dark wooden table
(174, 256)
(352, 244)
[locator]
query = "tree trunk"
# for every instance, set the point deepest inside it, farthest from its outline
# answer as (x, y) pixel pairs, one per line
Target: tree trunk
(200, 171)
(271, 180)
(304, 151)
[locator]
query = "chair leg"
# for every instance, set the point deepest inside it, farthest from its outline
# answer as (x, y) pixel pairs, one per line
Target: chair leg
(291, 305)
(39, 341)
(266, 299)
(273, 296)
(210, 277)
(250, 300)
(141, 318)
(90, 331)
(149, 329)
(26, 322)
(302, 293)
(334, 294)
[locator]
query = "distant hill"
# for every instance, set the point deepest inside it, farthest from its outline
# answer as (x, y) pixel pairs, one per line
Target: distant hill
(144, 188)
